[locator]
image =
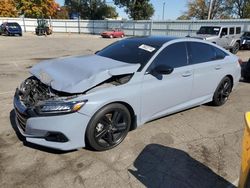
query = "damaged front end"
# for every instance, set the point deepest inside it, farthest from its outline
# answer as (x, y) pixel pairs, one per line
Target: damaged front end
(42, 99)
(33, 99)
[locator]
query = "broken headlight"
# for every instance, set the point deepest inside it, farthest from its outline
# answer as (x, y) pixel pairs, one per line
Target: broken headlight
(57, 107)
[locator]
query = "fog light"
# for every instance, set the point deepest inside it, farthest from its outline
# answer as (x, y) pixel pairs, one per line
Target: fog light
(56, 137)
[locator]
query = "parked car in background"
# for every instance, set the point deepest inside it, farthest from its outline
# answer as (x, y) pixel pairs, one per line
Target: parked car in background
(245, 40)
(245, 70)
(11, 28)
(95, 100)
(113, 33)
(227, 37)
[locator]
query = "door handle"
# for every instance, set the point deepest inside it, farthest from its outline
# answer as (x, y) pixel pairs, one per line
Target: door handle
(187, 73)
(218, 67)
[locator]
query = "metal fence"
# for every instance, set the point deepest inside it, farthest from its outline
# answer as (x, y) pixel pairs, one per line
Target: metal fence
(130, 27)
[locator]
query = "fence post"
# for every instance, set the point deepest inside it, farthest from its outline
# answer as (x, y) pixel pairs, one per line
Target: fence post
(24, 26)
(79, 30)
(66, 30)
(133, 27)
(151, 27)
(167, 28)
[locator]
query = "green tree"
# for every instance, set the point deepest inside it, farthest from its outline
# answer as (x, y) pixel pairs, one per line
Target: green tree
(91, 9)
(137, 9)
(8, 8)
(37, 8)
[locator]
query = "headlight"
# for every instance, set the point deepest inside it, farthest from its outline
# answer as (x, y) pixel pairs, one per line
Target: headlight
(54, 107)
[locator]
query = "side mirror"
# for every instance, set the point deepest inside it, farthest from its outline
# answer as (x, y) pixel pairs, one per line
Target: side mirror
(222, 34)
(162, 69)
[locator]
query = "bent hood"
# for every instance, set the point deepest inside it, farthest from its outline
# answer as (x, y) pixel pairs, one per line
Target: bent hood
(80, 73)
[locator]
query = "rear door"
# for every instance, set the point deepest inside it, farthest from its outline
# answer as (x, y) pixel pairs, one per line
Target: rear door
(163, 94)
(209, 67)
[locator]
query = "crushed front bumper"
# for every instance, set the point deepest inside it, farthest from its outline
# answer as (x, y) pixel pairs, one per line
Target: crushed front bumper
(63, 132)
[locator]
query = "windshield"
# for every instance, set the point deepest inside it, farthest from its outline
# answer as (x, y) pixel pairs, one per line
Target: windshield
(209, 30)
(246, 34)
(129, 51)
(12, 25)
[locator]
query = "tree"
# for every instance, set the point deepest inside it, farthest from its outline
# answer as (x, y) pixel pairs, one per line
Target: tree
(91, 9)
(137, 9)
(62, 13)
(199, 9)
(37, 8)
(239, 8)
(8, 8)
(183, 17)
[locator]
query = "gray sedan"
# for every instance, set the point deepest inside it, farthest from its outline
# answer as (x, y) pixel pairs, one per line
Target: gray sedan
(95, 100)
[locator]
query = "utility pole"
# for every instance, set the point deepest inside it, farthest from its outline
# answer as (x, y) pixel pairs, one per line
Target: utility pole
(210, 9)
(163, 11)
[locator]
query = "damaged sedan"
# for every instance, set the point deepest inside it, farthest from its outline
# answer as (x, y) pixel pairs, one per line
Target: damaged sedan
(95, 100)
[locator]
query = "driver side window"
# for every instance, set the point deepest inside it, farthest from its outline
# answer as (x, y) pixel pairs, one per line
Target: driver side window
(174, 56)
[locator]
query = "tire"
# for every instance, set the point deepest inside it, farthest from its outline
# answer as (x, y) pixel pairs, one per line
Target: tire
(20, 34)
(108, 127)
(222, 92)
(235, 48)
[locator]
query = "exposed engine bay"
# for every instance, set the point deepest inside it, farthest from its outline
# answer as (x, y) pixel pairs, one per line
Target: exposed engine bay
(32, 90)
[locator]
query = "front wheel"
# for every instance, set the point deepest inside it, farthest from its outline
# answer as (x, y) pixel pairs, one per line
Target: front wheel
(222, 92)
(108, 127)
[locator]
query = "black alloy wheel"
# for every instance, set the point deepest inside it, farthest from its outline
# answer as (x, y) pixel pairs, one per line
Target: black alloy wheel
(108, 127)
(222, 92)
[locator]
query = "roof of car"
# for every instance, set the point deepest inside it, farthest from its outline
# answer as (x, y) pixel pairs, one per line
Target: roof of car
(152, 40)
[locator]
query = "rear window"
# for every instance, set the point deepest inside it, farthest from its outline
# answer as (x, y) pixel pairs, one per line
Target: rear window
(231, 31)
(201, 53)
(238, 30)
(13, 25)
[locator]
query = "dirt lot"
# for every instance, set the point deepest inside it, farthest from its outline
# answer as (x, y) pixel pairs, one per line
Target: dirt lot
(195, 148)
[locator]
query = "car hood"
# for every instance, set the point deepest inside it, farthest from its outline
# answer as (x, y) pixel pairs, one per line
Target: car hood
(80, 73)
(204, 36)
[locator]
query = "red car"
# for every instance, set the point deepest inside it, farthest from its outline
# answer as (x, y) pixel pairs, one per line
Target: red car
(113, 33)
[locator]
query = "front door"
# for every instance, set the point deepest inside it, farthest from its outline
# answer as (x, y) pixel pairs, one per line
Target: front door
(164, 94)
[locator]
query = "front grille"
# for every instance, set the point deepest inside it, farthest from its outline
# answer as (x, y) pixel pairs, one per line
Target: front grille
(22, 119)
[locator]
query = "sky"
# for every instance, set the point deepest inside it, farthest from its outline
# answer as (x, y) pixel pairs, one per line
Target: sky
(173, 9)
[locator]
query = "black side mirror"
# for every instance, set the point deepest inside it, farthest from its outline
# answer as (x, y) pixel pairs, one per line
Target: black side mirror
(222, 34)
(162, 69)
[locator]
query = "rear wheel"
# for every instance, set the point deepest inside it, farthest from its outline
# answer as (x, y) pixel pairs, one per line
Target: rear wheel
(108, 127)
(222, 92)
(235, 48)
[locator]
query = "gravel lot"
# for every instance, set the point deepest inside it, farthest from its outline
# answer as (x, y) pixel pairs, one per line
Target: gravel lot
(199, 147)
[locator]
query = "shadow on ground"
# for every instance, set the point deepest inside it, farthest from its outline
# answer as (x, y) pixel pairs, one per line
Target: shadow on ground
(160, 166)
(25, 143)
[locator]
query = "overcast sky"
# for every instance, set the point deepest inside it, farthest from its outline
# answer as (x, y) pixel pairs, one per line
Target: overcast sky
(173, 9)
